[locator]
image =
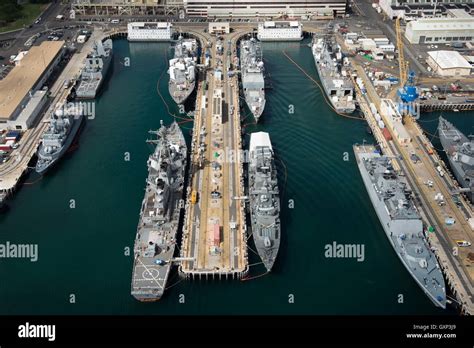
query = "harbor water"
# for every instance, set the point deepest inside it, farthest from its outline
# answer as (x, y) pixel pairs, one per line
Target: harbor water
(83, 215)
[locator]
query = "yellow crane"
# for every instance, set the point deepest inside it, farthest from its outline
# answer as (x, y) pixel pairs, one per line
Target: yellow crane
(403, 64)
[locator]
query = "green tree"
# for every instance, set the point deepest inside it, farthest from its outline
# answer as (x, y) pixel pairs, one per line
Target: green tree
(9, 11)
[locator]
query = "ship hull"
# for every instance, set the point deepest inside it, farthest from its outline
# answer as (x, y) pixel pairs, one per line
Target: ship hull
(182, 53)
(460, 178)
(73, 135)
(252, 77)
(259, 107)
(385, 221)
(158, 224)
(182, 96)
(264, 199)
(336, 106)
(458, 172)
(268, 256)
(92, 93)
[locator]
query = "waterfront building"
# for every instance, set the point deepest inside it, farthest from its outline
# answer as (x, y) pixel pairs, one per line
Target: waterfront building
(149, 31)
(19, 87)
(219, 28)
(441, 30)
(264, 8)
(448, 63)
(280, 31)
(413, 9)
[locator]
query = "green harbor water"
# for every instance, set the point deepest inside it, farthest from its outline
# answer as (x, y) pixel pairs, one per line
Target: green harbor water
(81, 250)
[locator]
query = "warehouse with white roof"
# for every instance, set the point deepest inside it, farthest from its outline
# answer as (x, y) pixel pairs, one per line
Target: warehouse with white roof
(459, 27)
(448, 63)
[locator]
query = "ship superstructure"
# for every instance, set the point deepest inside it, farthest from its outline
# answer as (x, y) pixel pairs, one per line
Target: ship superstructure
(252, 72)
(264, 198)
(155, 240)
(182, 70)
(335, 79)
(392, 200)
(460, 152)
(96, 66)
(64, 126)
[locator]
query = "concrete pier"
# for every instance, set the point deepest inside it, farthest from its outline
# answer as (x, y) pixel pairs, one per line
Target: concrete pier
(453, 260)
(12, 171)
(214, 227)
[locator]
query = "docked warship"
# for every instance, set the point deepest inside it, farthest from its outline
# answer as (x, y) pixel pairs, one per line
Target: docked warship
(182, 70)
(64, 127)
(96, 66)
(155, 241)
(253, 83)
(264, 198)
(335, 79)
(392, 200)
(460, 152)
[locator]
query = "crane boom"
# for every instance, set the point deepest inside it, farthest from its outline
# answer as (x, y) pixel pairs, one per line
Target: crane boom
(401, 56)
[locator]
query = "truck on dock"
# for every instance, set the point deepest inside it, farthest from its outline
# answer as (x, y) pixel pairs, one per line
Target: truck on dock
(194, 197)
(440, 171)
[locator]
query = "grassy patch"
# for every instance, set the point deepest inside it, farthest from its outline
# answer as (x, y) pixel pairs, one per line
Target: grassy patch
(29, 13)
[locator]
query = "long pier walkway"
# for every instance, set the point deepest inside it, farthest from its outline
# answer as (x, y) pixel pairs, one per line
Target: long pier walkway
(214, 242)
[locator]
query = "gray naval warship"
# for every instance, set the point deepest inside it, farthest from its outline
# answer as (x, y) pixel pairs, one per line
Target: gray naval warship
(335, 79)
(253, 83)
(155, 241)
(264, 198)
(63, 128)
(96, 66)
(392, 200)
(182, 70)
(460, 152)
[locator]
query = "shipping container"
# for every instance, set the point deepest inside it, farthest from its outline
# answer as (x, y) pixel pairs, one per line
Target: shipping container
(386, 134)
(373, 108)
(12, 134)
(217, 235)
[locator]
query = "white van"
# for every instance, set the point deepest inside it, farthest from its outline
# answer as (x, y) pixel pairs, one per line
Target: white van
(440, 171)
(115, 21)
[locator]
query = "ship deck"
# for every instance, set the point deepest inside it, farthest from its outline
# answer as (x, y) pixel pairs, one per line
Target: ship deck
(88, 88)
(149, 278)
(451, 134)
